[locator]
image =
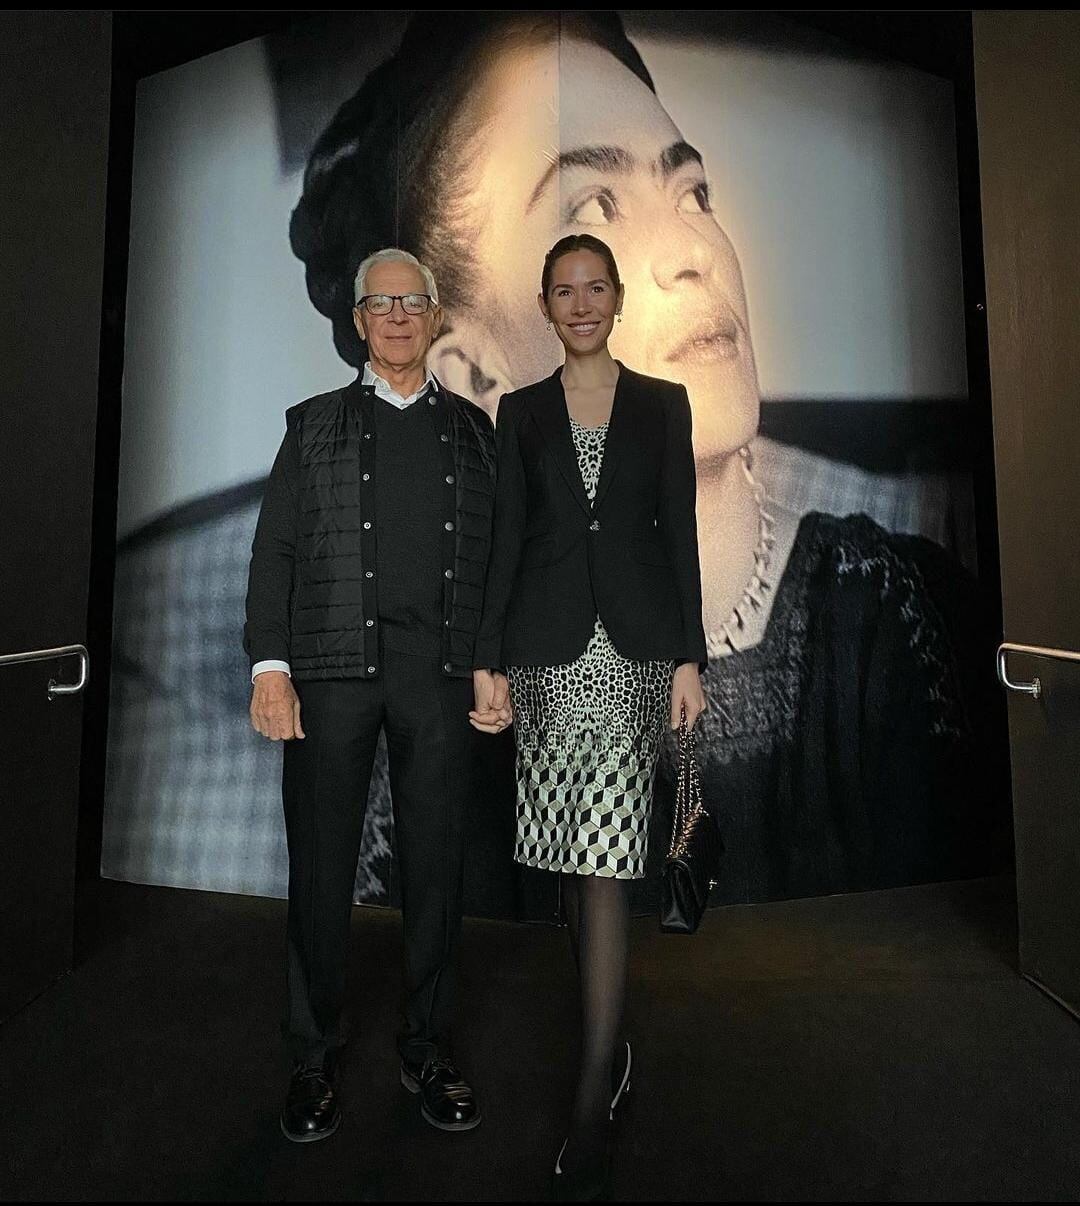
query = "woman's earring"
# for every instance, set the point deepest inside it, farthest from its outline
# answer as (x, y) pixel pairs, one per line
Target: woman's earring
(618, 316)
(549, 324)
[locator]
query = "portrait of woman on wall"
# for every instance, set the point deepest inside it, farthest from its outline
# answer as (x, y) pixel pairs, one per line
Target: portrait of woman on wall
(848, 690)
(842, 686)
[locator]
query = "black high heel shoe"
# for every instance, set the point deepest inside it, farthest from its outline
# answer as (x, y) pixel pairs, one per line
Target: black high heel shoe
(623, 1086)
(585, 1184)
(592, 1185)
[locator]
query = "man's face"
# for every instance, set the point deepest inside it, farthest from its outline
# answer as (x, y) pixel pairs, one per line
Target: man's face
(396, 340)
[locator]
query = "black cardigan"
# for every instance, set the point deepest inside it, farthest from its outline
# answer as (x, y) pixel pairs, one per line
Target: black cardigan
(631, 555)
(312, 585)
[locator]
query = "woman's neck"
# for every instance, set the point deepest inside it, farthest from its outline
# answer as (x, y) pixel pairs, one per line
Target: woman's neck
(595, 371)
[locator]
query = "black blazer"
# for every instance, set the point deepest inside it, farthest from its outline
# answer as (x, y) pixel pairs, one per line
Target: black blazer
(631, 555)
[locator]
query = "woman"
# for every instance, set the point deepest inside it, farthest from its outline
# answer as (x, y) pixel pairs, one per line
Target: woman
(593, 607)
(850, 692)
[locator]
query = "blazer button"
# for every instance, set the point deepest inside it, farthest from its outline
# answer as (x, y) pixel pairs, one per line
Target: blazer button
(371, 669)
(448, 573)
(449, 479)
(594, 526)
(367, 435)
(431, 400)
(369, 573)
(370, 623)
(367, 477)
(447, 667)
(367, 525)
(445, 439)
(449, 526)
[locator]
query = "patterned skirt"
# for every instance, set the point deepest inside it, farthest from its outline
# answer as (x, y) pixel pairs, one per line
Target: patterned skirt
(589, 734)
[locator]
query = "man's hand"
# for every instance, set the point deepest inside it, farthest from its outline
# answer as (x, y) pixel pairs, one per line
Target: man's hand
(492, 712)
(275, 708)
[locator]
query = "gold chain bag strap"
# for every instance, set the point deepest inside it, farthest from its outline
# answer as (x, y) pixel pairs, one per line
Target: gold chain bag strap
(693, 862)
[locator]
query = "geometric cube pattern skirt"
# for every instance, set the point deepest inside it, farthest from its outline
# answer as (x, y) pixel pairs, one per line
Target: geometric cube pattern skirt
(589, 735)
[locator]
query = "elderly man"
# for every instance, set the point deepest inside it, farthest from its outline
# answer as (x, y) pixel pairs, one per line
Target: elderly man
(364, 595)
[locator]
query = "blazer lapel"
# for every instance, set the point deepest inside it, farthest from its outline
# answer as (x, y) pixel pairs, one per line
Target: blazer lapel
(551, 416)
(617, 433)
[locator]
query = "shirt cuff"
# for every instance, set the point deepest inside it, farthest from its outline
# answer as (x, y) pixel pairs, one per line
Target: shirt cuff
(259, 667)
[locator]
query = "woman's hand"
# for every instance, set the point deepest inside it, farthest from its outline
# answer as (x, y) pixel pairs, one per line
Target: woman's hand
(686, 693)
(491, 692)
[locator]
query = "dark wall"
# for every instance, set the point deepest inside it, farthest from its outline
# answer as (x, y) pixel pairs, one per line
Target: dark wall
(54, 97)
(1027, 71)
(54, 101)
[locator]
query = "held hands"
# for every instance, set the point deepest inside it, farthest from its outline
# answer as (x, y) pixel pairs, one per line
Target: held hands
(492, 713)
(686, 693)
(275, 708)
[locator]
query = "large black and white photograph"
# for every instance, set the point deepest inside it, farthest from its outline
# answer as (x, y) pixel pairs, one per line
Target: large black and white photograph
(785, 218)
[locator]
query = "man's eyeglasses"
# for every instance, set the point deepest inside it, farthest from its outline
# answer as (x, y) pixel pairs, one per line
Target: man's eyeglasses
(383, 303)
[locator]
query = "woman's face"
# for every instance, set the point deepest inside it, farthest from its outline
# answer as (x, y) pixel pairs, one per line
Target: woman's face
(576, 142)
(581, 302)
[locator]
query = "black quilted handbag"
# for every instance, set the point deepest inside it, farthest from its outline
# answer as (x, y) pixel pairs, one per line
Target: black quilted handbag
(693, 862)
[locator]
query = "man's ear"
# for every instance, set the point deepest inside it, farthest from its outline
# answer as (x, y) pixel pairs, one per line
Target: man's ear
(467, 360)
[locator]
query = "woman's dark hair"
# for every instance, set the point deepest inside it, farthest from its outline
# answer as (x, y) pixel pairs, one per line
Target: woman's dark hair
(578, 242)
(388, 171)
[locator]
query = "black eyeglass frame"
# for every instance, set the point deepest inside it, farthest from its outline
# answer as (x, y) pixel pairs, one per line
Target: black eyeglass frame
(396, 297)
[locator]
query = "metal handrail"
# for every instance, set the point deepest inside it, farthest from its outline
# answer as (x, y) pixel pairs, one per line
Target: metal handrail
(45, 655)
(1033, 688)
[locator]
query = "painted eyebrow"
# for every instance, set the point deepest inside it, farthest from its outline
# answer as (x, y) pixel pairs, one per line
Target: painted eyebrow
(675, 156)
(615, 160)
(601, 159)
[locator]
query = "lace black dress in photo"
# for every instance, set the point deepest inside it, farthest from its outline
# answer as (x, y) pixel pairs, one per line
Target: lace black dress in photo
(849, 749)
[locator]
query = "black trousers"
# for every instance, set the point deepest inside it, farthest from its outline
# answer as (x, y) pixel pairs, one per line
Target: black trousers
(325, 786)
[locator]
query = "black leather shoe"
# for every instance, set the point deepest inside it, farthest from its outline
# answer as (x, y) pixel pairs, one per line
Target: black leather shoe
(311, 1110)
(446, 1101)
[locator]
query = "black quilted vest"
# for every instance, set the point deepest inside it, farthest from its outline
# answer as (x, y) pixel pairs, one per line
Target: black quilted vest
(335, 603)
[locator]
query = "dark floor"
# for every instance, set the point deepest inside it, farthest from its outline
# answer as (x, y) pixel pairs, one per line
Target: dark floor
(878, 1046)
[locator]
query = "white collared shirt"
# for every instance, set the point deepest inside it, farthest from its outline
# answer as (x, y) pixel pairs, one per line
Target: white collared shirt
(384, 390)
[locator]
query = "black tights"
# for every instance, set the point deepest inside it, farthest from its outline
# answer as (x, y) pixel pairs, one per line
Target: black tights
(598, 918)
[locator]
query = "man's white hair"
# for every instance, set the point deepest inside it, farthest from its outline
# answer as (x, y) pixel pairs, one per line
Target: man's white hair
(392, 255)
